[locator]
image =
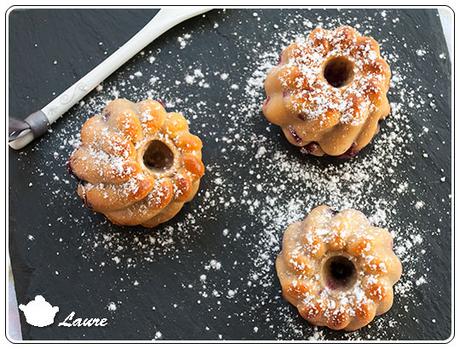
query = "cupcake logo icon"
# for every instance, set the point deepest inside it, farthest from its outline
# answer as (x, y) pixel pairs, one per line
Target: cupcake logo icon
(39, 312)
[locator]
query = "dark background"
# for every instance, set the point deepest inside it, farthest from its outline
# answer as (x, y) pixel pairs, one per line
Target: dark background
(51, 49)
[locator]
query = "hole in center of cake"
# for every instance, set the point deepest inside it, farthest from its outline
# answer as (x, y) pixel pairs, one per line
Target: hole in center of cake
(340, 273)
(338, 71)
(158, 156)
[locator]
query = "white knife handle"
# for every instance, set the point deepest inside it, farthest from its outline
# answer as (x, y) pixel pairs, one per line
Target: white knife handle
(164, 20)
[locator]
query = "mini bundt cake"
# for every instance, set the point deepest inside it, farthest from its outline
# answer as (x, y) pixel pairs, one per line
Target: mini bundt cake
(337, 269)
(328, 92)
(138, 163)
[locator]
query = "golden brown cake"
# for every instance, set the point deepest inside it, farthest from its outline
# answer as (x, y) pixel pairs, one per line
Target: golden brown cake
(138, 163)
(337, 269)
(328, 92)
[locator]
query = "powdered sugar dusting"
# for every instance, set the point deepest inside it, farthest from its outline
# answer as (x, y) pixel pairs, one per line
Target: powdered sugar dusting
(311, 96)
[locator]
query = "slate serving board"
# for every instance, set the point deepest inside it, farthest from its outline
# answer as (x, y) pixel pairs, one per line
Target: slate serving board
(150, 285)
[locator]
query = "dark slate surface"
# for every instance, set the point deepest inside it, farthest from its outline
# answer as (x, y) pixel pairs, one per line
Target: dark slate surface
(71, 38)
